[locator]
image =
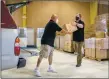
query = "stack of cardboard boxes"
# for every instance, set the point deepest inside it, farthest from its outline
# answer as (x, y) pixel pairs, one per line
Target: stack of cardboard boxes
(68, 41)
(98, 48)
(108, 25)
(102, 40)
(102, 48)
(100, 34)
(90, 48)
(62, 40)
(68, 44)
(56, 43)
(101, 22)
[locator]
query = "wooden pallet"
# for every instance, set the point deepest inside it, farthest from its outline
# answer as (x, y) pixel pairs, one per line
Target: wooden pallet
(57, 48)
(90, 58)
(98, 59)
(75, 53)
(68, 51)
(61, 49)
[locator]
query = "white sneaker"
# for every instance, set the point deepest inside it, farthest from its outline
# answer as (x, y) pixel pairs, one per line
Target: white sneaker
(37, 73)
(51, 70)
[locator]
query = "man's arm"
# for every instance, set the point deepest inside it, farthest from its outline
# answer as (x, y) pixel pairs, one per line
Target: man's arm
(62, 30)
(79, 25)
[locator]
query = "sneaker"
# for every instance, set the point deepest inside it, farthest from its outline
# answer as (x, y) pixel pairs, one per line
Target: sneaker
(78, 65)
(37, 73)
(51, 70)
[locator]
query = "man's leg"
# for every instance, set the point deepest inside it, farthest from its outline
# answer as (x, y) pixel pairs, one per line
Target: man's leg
(79, 57)
(39, 61)
(41, 55)
(75, 48)
(50, 54)
(50, 59)
(83, 46)
(37, 66)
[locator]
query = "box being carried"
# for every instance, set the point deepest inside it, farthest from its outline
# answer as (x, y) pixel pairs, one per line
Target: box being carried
(69, 27)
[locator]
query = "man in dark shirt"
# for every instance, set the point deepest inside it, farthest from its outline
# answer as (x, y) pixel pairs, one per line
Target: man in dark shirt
(47, 43)
(78, 38)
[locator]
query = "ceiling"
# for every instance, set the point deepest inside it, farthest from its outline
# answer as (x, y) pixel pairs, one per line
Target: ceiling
(106, 2)
(15, 1)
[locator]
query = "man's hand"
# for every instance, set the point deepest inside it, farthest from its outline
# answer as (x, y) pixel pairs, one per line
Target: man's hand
(69, 32)
(66, 32)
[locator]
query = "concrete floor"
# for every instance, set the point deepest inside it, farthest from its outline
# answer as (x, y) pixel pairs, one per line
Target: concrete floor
(64, 63)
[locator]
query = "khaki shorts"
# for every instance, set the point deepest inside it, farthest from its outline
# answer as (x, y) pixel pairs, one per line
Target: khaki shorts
(46, 51)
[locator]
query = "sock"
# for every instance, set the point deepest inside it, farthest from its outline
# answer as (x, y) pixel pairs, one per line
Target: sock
(36, 68)
(49, 66)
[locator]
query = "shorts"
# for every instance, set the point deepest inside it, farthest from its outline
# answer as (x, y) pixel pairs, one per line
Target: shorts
(46, 51)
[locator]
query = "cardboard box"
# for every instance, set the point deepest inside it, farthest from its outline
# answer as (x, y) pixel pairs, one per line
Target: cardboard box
(90, 43)
(86, 43)
(102, 54)
(68, 37)
(100, 34)
(105, 43)
(65, 43)
(65, 47)
(93, 53)
(60, 33)
(101, 22)
(68, 43)
(98, 43)
(56, 43)
(102, 43)
(88, 52)
(70, 50)
(62, 42)
(69, 27)
(68, 46)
